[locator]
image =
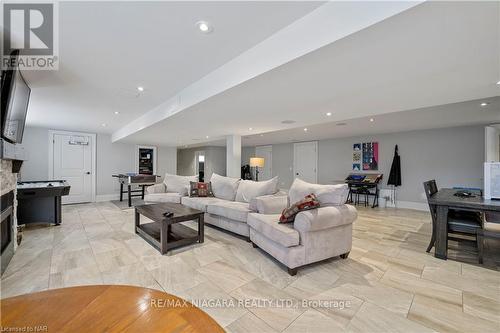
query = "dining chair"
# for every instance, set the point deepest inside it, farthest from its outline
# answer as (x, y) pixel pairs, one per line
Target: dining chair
(459, 221)
(491, 229)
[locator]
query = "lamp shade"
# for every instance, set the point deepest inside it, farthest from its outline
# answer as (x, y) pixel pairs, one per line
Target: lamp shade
(257, 162)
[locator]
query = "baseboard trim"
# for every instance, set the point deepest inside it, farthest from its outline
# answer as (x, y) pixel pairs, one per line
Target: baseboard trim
(107, 197)
(413, 205)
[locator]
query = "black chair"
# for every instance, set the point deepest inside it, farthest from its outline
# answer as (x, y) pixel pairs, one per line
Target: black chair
(360, 191)
(459, 221)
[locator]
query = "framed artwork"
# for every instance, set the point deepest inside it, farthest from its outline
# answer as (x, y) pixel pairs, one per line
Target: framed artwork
(356, 157)
(370, 156)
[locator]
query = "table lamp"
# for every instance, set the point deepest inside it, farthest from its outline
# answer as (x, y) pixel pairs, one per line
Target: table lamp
(257, 162)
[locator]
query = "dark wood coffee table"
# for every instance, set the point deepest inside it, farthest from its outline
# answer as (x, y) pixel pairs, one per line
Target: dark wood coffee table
(166, 233)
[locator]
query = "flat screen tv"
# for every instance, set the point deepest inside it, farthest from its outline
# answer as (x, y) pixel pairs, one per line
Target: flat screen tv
(15, 98)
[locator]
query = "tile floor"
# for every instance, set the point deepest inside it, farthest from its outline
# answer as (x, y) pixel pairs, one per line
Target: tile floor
(388, 283)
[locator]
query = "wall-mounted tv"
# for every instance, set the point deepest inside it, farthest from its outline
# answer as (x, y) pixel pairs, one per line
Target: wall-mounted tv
(14, 105)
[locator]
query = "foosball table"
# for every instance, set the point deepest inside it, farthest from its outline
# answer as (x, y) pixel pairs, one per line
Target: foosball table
(134, 179)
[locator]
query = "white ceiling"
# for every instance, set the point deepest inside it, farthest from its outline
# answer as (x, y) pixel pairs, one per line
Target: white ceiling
(436, 53)
(107, 49)
(449, 115)
(433, 54)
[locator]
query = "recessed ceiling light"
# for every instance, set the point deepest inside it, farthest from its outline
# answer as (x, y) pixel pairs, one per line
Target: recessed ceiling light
(207, 137)
(250, 129)
(372, 120)
(305, 129)
(485, 104)
(204, 27)
(141, 89)
(498, 83)
(288, 122)
(116, 112)
(328, 114)
(104, 125)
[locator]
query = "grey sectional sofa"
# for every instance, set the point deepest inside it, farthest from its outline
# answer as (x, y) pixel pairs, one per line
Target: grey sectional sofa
(252, 210)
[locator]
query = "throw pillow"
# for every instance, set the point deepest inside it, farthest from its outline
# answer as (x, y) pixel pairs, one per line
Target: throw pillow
(309, 202)
(224, 187)
(327, 195)
(178, 184)
(249, 189)
(198, 189)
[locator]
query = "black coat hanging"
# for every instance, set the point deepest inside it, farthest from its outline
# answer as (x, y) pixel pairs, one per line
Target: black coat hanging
(395, 174)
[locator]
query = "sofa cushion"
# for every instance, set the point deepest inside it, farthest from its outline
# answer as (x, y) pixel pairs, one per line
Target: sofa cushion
(178, 184)
(269, 204)
(268, 225)
(199, 203)
(327, 195)
(163, 197)
(230, 209)
(308, 203)
(200, 189)
(224, 187)
(249, 189)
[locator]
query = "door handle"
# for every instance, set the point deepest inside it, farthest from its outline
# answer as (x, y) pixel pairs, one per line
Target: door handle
(88, 172)
(297, 174)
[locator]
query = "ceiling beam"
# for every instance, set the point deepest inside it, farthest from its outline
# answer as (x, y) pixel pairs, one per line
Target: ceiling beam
(325, 25)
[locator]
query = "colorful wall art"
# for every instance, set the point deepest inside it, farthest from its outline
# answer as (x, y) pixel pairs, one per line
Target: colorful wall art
(370, 156)
(356, 157)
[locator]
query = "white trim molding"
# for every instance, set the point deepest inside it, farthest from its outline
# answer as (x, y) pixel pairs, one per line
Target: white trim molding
(107, 197)
(412, 205)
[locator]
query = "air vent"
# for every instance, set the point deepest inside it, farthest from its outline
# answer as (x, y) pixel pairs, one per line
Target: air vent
(341, 124)
(288, 122)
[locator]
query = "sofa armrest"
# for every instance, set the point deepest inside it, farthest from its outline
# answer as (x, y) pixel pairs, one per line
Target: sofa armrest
(157, 188)
(325, 218)
(269, 204)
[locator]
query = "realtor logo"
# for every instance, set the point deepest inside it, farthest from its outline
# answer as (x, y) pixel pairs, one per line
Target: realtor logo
(31, 29)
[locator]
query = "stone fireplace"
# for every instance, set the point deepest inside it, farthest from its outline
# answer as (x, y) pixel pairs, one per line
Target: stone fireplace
(8, 181)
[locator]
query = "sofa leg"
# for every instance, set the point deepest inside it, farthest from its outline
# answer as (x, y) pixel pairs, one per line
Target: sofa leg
(345, 255)
(248, 240)
(254, 245)
(292, 271)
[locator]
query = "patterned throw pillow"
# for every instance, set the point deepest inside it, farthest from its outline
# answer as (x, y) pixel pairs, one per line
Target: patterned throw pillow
(198, 189)
(309, 202)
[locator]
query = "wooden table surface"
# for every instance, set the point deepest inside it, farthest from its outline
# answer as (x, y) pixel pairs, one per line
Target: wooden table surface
(104, 309)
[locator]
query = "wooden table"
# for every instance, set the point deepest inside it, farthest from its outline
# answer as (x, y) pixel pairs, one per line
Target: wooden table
(445, 200)
(166, 233)
(103, 309)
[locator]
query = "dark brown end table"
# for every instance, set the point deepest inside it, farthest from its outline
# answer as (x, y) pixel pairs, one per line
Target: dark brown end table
(166, 233)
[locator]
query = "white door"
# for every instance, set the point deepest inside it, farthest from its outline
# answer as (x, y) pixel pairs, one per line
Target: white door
(72, 161)
(305, 161)
(266, 152)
